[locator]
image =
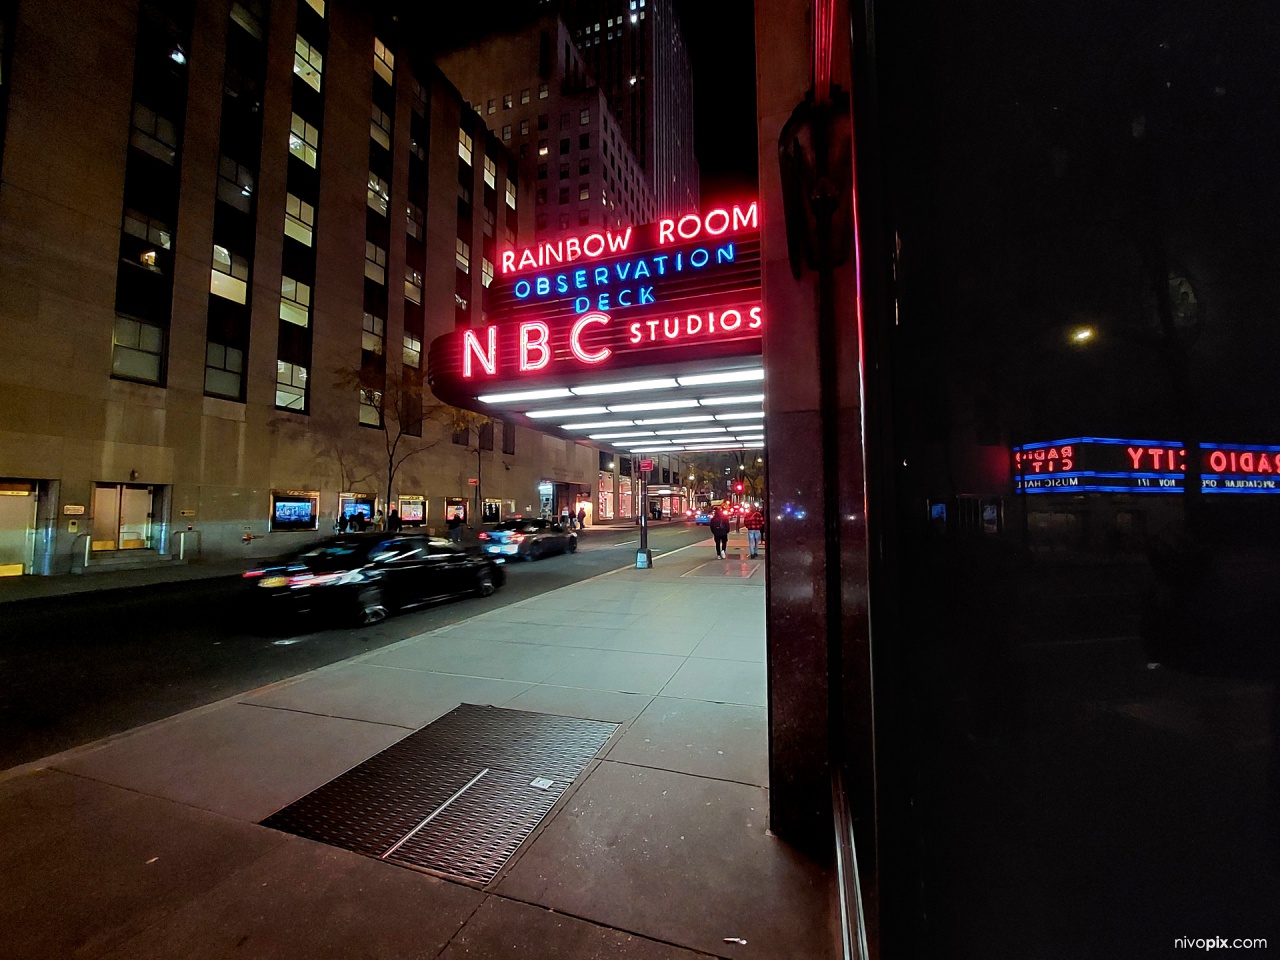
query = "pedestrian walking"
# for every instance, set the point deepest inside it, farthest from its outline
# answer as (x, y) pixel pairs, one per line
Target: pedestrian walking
(720, 530)
(454, 523)
(393, 521)
(564, 517)
(755, 530)
(582, 517)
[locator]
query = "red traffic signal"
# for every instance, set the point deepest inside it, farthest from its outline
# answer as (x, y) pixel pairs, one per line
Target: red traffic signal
(737, 488)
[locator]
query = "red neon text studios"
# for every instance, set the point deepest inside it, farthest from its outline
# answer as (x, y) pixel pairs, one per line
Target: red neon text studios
(592, 338)
(692, 226)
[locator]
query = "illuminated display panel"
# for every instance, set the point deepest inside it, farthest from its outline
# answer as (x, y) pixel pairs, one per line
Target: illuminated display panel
(1105, 465)
(681, 293)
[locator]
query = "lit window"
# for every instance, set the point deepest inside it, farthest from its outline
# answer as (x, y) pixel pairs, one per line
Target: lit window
(491, 106)
(370, 407)
(486, 271)
(524, 128)
(230, 275)
(384, 61)
(464, 146)
(412, 285)
(506, 131)
(375, 262)
(506, 101)
(295, 302)
(462, 255)
(584, 191)
(223, 370)
(291, 386)
(524, 95)
(235, 184)
(490, 173)
(148, 237)
(308, 63)
(412, 351)
(543, 149)
(542, 91)
(304, 141)
(511, 194)
(299, 219)
(584, 117)
(137, 350)
(380, 127)
(317, 6)
(379, 194)
(153, 134)
(374, 333)
(413, 221)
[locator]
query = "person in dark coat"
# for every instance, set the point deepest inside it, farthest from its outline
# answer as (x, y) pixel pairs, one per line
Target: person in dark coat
(393, 521)
(582, 517)
(720, 530)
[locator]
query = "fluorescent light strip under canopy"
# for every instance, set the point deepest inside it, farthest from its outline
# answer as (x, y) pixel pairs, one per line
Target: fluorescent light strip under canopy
(753, 398)
(665, 433)
(699, 418)
(602, 425)
(656, 405)
(620, 436)
(548, 394)
(596, 388)
(729, 376)
(757, 415)
(579, 412)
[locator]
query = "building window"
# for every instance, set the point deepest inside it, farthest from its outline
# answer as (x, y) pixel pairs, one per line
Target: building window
(524, 128)
(384, 61)
(584, 217)
(542, 121)
(584, 191)
(524, 95)
(412, 285)
(542, 171)
(584, 117)
(304, 141)
(378, 196)
(508, 438)
(380, 127)
(564, 221)
(235, 184)
(137, 350)
(375, 262)
(506, 101)
(295, 301)
(291, 386)
(419, 97)
(564, 121)
(584, 141)
(564, 146)
(584, 166)
(542, 91)
(153, 234)
(370, 407)
(542, 195)
(490, 219)
(223, 371)
(543, 149)
(541, 221)
(462, 255)
(464, 146)
(484, 436)
(153, 134)
(460, 302)
(506, 131)
(564, 195)
(412, 351)
(491, 106)
(317, 6)
(564, 170)
(511, 194)
(413, 221)
(308, 63)
(486, 272)
(299, 219)
(230, 275)
(374, 334)
(490, 173)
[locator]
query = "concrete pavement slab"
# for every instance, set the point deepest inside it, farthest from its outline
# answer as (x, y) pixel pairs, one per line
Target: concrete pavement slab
(308, 900)
(388, 695)
(466, 656)
(576, 702)
(680, 859)
(121, 863)
(727, 741)
(237, 759)
(721, 646)
(617, 670)
(508, 929)
(721, 681)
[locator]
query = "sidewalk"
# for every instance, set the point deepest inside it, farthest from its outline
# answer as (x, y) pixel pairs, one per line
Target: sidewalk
(148, 845)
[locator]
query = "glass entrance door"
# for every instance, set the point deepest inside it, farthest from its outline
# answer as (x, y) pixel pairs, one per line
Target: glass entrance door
(17, 527)
(122, 516)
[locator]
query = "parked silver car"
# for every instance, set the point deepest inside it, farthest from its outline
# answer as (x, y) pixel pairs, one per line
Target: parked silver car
(529, 539)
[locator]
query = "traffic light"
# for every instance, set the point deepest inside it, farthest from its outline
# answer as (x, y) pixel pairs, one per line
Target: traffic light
(737, 487)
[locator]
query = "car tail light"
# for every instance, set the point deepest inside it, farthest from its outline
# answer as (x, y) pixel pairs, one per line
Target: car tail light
(248, 574)
(319, 579)
(517, 537)
(482, 535)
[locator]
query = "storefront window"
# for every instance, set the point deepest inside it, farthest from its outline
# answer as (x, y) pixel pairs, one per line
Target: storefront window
(295, 511)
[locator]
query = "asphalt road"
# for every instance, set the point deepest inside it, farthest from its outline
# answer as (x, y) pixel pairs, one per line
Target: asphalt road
(77, 668)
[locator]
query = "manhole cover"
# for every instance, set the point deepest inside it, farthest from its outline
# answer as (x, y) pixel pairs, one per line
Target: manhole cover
(457, 797)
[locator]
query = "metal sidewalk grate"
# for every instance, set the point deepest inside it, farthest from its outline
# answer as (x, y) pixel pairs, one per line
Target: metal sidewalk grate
(457, 797)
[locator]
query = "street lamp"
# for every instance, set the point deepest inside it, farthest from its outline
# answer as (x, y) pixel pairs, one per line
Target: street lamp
(1082, 335)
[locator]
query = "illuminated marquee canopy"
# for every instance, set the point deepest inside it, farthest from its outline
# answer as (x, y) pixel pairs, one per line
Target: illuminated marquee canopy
(657, 328)
(1103, 465)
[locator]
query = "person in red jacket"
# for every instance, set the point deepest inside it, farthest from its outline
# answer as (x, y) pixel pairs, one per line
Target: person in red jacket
(755, 530)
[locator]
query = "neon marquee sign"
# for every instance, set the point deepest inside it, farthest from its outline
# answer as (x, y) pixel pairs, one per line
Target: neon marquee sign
(1103, 465)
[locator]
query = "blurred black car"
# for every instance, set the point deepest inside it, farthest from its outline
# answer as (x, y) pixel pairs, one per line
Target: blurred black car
(365, 576)
(527, 539)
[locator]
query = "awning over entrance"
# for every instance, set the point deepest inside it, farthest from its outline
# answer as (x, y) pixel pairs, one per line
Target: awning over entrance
(647, 341)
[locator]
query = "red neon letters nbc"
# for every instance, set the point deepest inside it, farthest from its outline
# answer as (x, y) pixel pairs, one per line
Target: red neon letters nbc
(471, 347)
(533, 337)
(575, 338)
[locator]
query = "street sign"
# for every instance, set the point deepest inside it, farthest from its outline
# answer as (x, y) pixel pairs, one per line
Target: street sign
(646, 466)
(474, 481)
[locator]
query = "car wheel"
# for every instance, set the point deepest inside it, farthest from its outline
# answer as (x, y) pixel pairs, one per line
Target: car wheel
(371, 608)
(573, 545)
(485, 585)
